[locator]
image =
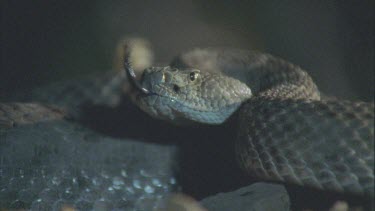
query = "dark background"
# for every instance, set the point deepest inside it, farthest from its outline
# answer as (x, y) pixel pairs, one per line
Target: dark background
(44, 41)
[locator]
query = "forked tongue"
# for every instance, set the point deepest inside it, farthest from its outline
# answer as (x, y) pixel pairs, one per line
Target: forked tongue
(132, 77)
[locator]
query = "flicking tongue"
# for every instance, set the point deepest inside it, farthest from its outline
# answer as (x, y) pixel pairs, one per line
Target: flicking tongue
(132, 77)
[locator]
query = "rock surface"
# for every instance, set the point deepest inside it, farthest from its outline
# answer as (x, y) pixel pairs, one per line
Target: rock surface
(49, 164)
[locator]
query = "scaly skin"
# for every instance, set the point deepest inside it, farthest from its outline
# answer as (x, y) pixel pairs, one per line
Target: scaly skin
(286, 133)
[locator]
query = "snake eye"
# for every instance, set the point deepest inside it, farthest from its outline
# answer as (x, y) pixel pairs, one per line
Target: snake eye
(193, 76)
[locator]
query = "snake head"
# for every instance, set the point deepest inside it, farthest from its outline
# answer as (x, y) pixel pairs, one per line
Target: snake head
(189, 95)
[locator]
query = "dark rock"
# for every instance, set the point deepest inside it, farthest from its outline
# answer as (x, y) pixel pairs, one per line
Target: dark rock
(256, 197)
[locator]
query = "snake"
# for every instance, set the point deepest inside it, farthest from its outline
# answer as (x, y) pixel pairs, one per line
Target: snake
(287, 131)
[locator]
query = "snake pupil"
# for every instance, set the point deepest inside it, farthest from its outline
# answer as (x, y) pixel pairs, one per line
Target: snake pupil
(192, 76)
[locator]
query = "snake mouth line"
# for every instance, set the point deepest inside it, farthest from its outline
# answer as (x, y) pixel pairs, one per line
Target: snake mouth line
(177, 106)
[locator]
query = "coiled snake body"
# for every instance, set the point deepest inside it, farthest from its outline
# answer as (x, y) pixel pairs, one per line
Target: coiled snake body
(286, 132)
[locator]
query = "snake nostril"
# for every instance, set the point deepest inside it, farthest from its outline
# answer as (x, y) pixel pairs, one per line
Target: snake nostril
(176, 88)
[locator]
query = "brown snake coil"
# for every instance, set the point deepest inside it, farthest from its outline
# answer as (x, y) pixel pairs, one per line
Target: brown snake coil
(286, 132)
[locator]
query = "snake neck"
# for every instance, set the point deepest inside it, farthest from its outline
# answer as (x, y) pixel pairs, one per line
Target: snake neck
(279, 79)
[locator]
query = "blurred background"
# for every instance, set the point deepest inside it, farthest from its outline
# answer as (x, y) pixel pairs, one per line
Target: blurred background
(45, 41)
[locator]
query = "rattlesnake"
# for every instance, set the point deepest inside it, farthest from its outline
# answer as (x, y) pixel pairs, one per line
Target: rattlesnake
(286, 132)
